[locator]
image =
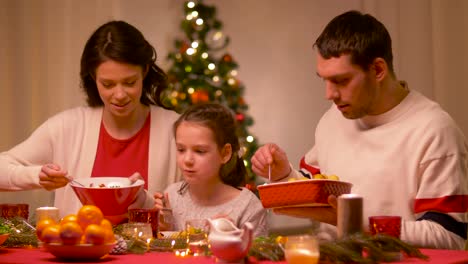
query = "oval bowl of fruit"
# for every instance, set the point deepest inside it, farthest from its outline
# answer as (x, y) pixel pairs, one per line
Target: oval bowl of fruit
(303, 191)
(80, 251)
(85, 235)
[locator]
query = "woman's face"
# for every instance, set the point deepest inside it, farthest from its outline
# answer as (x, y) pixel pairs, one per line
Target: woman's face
(120, 86)
(198, 155)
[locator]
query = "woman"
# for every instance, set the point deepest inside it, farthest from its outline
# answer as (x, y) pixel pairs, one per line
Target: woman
(125, 130)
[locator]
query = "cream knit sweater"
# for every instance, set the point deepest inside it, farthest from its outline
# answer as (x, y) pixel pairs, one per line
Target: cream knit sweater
(70, 140)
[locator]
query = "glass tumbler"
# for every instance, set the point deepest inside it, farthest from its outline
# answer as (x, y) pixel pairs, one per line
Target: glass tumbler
(384, 224)
(301, 249)
(197, 236)
(150, 216)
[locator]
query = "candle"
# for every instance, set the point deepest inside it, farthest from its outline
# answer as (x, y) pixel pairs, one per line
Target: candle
(47, 212)
(349, 214)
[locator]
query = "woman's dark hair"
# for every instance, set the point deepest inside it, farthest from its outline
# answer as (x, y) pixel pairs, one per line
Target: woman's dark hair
(360, 35)
(121, 42)
(220, 120)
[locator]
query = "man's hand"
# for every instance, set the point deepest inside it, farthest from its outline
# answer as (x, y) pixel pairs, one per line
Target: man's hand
(321, 214)
(271, 154)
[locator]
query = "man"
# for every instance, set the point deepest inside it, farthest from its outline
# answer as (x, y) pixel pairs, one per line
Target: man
(400, 150)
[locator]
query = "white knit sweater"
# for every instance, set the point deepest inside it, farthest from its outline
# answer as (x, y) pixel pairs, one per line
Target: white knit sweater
(408, 156)
(70, 140)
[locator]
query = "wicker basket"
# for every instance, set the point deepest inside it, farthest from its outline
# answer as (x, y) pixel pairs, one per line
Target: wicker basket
(303, 192)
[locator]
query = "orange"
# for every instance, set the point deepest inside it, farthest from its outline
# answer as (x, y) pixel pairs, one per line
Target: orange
(95, 234)
(106, 224)
(51, 234)
(89, 214)
(70, 233)
(41, 225)
(69, 218)
(109, 236)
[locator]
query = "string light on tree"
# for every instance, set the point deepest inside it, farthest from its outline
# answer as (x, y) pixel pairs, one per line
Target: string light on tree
(202, 70)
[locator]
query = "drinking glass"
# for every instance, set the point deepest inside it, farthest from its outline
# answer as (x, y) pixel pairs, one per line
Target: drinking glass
(47, 212)
(14, 210)
(150, 216)
(390, 225)
(197, 236)
(301, 249)
(140, 231)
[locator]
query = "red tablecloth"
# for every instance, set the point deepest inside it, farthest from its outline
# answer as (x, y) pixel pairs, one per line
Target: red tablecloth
(23, 255)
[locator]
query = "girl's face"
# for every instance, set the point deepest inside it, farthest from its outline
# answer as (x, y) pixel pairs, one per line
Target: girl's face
(198, 155)
(120, 87)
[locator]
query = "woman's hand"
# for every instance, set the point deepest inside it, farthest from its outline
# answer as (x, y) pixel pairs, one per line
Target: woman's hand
(134, 177)
(52, 177)
(271, 154)
(140, 199)
(161, 202)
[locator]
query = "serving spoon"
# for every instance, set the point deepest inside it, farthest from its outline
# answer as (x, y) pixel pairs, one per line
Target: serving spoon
(71, 180)
(269, 172)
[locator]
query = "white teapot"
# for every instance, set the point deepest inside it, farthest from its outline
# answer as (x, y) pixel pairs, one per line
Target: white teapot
(229, 243)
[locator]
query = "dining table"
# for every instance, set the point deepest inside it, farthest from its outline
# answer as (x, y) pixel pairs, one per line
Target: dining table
(41, 256)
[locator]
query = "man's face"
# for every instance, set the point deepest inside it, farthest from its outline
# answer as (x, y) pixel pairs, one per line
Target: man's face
(352, 89)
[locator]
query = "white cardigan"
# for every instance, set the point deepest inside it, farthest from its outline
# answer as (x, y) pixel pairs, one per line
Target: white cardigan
(69, 139)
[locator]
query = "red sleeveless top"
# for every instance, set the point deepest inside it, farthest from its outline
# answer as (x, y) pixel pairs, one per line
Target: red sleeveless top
(123, 157)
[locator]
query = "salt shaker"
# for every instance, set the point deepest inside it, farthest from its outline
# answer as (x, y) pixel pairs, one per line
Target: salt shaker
(349, 214)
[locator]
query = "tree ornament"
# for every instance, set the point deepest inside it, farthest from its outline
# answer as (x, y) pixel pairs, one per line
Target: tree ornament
(216, 39)
(199, 96)
(227, 57)
(184, 47)
(182, 96)
(240, 117)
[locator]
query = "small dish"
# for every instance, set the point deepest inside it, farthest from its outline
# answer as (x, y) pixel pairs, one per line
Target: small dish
(3, 238)
(307, 193)
(80, 251)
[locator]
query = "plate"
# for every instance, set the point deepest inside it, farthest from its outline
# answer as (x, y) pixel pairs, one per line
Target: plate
(302, 193)
(3, 238)
(79, 252)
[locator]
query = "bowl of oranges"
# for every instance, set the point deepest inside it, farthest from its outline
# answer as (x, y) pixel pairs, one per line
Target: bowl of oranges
(84, 235)
(112, 195)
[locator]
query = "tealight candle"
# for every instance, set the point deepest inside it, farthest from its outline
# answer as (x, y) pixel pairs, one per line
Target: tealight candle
(47, 212)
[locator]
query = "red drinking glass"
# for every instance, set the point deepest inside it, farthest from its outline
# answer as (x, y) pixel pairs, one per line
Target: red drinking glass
(390, 225)
(14, 210)
(151, 216)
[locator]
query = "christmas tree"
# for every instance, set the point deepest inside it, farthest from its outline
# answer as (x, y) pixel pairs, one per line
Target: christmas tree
(202, 71)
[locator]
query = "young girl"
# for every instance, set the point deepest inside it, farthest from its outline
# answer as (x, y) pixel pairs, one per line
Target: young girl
(207, 155)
